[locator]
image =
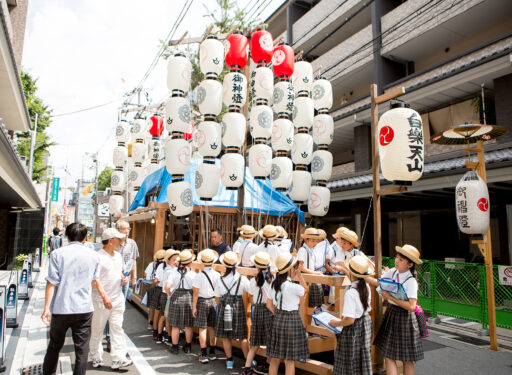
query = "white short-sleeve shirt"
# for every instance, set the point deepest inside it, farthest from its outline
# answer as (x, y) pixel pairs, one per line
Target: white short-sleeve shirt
(341, 255)
(109, 273)
(272, 250)
(352, 306)
(160, 274)
(408, 281)
(290, 294)
(231, 282)
(166, 275)
(246, 249)
(149, 271)
(254, 291)
(317, 256)
(237, 244)
(176, 282)
(202, 283)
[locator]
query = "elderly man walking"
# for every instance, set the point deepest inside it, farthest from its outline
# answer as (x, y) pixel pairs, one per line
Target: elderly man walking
(108, 301)
(71, 272)
(129, 252)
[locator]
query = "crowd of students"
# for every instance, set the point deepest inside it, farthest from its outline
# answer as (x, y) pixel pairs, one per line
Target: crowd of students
(216, 304)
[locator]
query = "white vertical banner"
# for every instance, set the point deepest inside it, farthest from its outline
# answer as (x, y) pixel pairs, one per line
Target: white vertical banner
(11, 306)
(23, 284)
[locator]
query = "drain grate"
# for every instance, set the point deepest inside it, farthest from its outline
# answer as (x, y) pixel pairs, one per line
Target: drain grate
(33, 369)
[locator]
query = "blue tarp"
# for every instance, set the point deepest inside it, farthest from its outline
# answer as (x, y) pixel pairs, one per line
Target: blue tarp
(259, 196)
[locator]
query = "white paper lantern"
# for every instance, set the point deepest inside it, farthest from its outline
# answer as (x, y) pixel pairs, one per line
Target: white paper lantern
(136, 176)
(303, 112)
(321, 94)
(207, 138)
(211, 55)
(209, 97)
(281, 173)
(321, 165)
(282, 135)
(234, 90)
(207, 181)
(177, 156)
(120, 156)
(139, 152)
(260, 121)
(302, 77)
(177, 115)
(179, 72)
(233, 130)
(152, 168)
(232, 168)
(302, 150)
(118, 181)
(123, 131)
(301, 183)
(262, 85)
(115, 204)
(155, 149)
(323, 129)
(401, 145)
(472, 204)
(181, 199)
(283, 97)
(139, 129)
(260, 161)
(318, 201)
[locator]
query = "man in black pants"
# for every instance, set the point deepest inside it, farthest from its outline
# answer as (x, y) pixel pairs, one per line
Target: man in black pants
(71, 272)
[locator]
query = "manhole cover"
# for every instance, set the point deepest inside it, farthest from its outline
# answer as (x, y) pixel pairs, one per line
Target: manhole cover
(33, 369)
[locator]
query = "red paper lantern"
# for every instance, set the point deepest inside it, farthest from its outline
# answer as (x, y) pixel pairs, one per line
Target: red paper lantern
(283, 60)
(262, 46)
(236, 48)
(157, 125)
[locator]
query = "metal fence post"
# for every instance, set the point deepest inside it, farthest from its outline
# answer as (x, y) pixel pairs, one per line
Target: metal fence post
(483, 296)
(432, 269)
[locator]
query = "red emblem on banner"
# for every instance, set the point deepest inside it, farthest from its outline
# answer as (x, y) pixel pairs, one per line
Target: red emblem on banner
(386, 135)
(483, 204)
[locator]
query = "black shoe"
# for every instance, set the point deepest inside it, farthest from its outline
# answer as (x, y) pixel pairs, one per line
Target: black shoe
(203, 358)
(159, 339)
(212, 356)
(174, 349)
(187, 348)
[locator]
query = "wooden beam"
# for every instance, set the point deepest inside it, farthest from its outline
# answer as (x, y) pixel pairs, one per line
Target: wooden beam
(471, 165)
(389, 95)
(393, 190)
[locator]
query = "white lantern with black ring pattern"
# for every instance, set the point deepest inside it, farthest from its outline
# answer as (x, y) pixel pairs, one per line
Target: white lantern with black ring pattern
(118, 180)
(301, 183)
(302, 150)
(139, 152)
(211, 55)
(260, 121)
(177, 115)
(179, 73)
(323, 129)
(260, 160)
(209, 96)
(233, 130)
(282, 135)
(283, 97)
(136, 176)
(207, 137)
(115, 203)
(207, 179)
(262, 85)
(177, 156)
(318, 200)
(123, 132)
(120, 156)
(281, 172)
(180, 198)
(232, 170)
(321, 93)
(139, 129)
(321, 165)
(234, 91)
(472, 204)
(303, 112)
(401, 147)
(302, 77)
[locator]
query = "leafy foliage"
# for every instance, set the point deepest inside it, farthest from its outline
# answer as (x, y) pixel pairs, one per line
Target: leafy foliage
(104, 178)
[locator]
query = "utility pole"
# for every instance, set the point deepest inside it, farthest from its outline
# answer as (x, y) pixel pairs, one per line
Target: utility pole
(32, 146)
(95, 217)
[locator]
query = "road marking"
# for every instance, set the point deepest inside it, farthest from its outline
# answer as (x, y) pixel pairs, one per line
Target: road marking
(138, 358)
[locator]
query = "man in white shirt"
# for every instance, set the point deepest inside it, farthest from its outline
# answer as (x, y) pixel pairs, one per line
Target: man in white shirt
(108, 301)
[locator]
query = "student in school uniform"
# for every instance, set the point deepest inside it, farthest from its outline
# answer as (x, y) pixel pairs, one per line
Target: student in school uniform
(288, 339)
(268, 235)
(283, 243)
(247, 247)
(398, 335)
(261, 317)
(153, 292)
(324, 251)
(238, 241)
(171, 257)
(231, 290)
(309, 263)
(203, 303)
(354, 350)
(181, 280)
(344, 247)
(158, 280)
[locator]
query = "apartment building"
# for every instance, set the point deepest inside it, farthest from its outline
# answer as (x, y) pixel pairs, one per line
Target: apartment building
(448, 54)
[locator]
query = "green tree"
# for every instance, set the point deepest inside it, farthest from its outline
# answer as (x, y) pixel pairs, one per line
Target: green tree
(35, 106)
(104, 178)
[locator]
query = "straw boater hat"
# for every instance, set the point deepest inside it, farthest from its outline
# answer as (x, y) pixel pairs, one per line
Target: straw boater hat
(360, 266)
(410, 252)
(208, 256)
(310, 233)
(160, 255)
(268, 232)
(347, 235)
(285, 261)
(261, 259)
(281, 233)
(322, 233)
(247, 231)
(170, 252)
(230, 259)
(186, 256)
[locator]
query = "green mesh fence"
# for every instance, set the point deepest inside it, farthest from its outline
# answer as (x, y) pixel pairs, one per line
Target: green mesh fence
(459, 290)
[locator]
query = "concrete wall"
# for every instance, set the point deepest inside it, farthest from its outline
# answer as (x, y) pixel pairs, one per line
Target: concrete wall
(18, 15)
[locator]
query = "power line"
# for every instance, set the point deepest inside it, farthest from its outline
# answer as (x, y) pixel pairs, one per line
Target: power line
(84, 109)
(261, 11)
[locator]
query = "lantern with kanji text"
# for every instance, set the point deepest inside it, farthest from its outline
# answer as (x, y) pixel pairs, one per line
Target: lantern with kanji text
(472, 204)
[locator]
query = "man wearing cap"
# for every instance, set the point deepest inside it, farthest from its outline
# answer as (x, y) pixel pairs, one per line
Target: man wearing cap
(129, 251)
(108, 301)
(216, 242)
